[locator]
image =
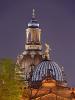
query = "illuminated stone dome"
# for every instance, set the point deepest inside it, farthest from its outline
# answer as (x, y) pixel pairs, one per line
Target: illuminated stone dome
(46, 68)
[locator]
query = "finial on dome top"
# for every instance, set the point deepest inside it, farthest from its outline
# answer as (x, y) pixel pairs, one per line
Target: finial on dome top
(33, 13)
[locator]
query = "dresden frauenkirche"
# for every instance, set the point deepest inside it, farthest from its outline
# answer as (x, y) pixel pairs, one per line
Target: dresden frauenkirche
(43, 77)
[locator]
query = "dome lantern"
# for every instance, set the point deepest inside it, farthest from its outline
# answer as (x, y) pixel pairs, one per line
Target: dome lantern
(33, 34)
(33, 22)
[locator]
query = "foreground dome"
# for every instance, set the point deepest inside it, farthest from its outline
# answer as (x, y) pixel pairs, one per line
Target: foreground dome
(46, 68)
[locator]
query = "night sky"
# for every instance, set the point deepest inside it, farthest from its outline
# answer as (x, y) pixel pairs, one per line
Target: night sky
(57, 21)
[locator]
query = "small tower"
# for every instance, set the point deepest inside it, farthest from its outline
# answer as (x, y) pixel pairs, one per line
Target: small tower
(33, 34)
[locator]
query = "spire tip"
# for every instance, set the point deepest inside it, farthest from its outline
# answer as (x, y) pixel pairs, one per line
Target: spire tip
(33, 13)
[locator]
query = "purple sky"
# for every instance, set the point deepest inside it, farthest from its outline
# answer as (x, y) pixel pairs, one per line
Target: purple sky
(57, 20)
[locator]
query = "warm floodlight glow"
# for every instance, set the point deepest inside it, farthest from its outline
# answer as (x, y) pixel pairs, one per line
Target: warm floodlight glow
(49, 83)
